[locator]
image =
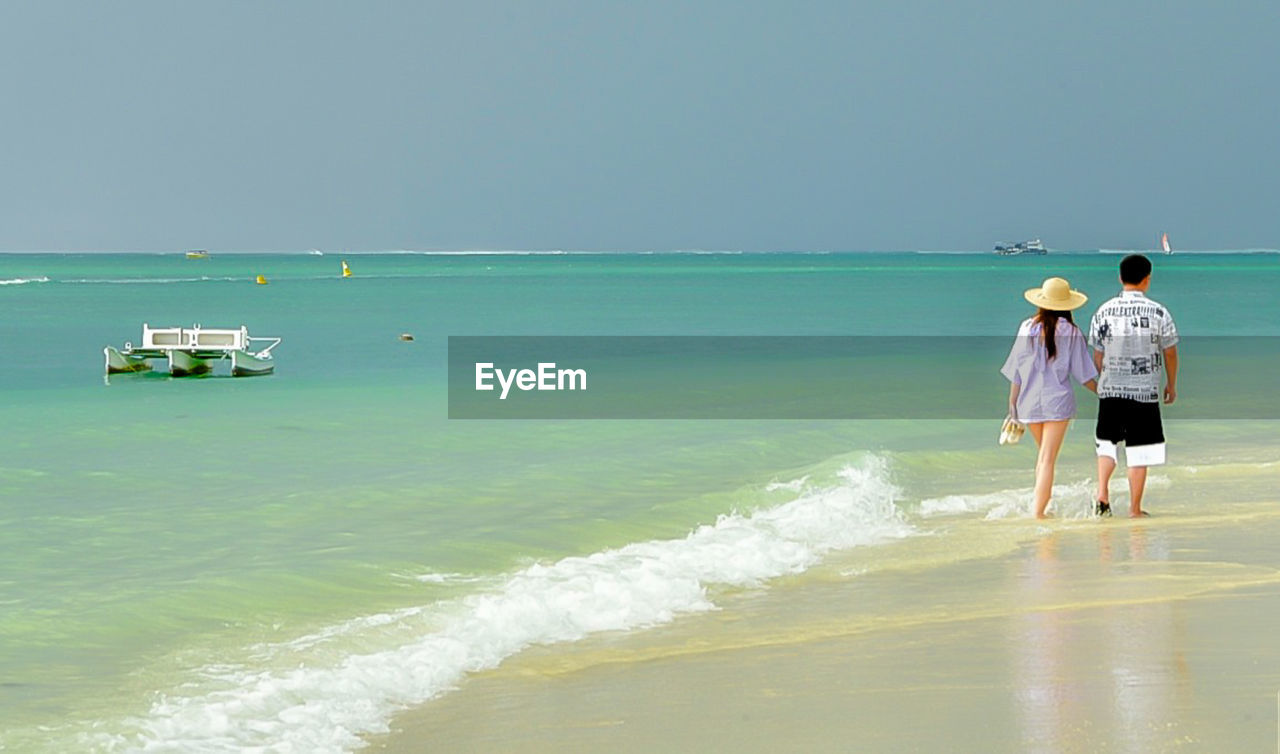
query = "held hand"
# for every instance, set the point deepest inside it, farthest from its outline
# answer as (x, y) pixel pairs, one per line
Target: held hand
(1170, 394)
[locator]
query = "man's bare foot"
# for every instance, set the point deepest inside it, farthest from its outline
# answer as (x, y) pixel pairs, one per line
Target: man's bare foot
(1042, 514)
(1139, 514)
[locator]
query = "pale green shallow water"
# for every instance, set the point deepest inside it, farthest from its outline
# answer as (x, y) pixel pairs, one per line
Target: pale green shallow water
(153, 527)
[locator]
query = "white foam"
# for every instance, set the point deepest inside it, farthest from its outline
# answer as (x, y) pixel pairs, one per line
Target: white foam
(316, 707)
(446, 578)
(337, 631)
(1070, 500)
(795, 485)
(24, 281)
(153, 281)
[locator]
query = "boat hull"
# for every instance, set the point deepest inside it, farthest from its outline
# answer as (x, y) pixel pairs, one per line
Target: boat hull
(245, 364)
(123, 363)
(183, 364)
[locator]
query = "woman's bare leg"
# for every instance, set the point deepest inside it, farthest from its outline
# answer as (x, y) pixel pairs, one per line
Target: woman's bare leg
(1037, 432)
(1049, 439)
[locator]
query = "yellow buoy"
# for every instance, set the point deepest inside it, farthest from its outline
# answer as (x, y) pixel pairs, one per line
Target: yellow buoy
(346, 271)
(262, 280)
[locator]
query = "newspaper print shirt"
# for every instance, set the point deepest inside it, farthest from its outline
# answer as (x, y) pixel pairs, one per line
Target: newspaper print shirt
(1132, 332)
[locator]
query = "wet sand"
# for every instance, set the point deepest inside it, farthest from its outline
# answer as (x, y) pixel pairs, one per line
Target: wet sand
(1112, 635)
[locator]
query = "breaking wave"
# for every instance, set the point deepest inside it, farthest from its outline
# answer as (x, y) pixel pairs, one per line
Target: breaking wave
(329, 706)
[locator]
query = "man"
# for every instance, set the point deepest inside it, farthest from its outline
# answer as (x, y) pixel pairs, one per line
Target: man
(1134, 341)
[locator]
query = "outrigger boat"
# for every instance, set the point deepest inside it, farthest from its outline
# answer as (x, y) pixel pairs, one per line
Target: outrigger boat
(192, 351)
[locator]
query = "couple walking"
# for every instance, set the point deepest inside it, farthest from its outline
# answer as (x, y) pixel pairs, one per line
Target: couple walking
(1133, 341)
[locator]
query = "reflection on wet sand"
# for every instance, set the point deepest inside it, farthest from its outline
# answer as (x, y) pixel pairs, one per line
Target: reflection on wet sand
(1062, 663)
(1144, 651)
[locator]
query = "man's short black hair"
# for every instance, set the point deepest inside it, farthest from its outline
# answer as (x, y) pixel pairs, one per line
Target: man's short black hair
(1134, 269)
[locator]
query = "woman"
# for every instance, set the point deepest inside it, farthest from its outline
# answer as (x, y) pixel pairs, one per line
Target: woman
(1048, 352)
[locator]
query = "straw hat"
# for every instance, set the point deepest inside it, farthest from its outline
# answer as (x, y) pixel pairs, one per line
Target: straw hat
(1056, 294)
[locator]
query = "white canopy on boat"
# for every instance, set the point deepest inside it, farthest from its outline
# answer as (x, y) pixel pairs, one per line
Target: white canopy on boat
(193, 338)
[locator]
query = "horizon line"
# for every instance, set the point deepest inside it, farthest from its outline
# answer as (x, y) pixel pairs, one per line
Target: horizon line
(565, 252)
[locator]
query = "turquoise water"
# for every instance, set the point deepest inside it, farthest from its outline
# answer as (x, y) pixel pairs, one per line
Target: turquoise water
(201, 564)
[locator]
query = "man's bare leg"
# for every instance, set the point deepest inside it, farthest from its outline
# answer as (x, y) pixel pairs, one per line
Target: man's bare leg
(1106, 466)
(1137, 485)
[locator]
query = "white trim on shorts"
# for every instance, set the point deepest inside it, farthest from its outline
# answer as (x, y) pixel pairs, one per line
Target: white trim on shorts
(1139, 455)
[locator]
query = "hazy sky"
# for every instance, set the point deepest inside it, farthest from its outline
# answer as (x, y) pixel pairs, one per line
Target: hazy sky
(639, 125)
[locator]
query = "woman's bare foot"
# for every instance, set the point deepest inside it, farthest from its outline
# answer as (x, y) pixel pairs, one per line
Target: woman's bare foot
(1139, 514)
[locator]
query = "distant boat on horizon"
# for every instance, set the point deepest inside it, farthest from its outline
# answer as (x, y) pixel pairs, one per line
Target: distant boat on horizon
(1164, 243)
(197, 254)
(1021, 248)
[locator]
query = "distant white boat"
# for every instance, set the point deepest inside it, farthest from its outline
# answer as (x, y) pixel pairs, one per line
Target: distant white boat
(1164, 243)
(191, 351)
(316, 253)
(1033, 247)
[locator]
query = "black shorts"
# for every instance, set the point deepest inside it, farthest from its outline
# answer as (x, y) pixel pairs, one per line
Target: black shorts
(1132, 422)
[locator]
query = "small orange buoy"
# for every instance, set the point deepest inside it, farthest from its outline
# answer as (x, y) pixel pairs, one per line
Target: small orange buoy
(262, 280)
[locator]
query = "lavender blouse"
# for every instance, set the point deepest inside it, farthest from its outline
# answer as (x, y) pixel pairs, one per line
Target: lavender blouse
(1046, 393)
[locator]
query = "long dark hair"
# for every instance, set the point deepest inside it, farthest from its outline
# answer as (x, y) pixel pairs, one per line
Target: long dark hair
(1048, 319)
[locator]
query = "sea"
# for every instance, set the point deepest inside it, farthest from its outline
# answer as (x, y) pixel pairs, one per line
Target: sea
(282, 563)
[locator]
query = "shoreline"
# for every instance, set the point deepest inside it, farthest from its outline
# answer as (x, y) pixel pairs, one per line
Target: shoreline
(1113, 634)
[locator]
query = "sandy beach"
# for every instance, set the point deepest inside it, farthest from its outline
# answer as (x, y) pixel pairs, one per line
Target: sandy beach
(1106, 635)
